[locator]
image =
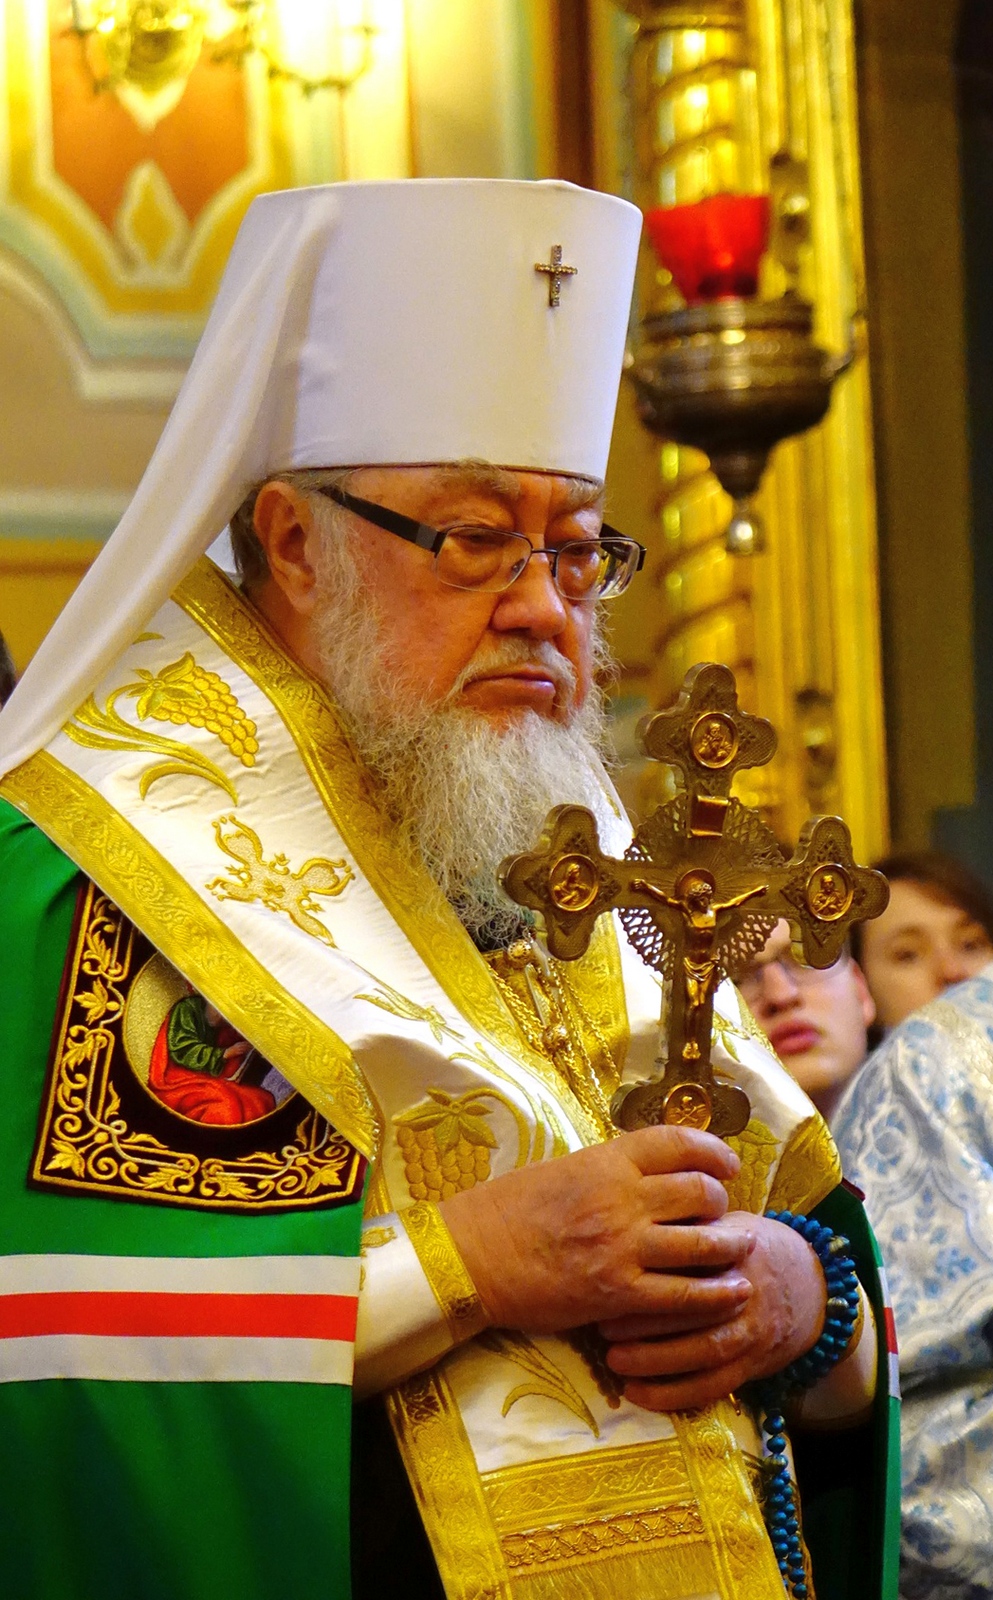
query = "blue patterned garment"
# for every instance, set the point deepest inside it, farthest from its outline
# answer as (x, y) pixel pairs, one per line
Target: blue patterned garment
(916, 1133)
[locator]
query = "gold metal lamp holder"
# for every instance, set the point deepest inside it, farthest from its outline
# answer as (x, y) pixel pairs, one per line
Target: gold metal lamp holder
(699, 891)
(733, 378)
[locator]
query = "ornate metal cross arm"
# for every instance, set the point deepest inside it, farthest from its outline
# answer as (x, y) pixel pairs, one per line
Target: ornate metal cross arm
(699, 890)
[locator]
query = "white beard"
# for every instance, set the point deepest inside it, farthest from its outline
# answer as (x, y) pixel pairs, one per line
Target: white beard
(462, 790)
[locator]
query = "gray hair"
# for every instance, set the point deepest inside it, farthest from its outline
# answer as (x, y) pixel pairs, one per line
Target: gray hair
(249, 556)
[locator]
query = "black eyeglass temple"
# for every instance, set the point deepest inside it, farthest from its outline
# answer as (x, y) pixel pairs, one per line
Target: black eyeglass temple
(382, 517)
(606, 531)
(418, 532)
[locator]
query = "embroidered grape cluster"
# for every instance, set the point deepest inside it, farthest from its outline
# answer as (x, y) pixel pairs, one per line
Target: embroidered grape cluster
(189, 695)
(445, 1145)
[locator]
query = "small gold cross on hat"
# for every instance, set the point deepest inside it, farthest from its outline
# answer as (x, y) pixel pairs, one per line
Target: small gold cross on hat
(556, 272)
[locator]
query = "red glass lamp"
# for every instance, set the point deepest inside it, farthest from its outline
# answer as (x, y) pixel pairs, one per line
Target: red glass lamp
(712, 248)
(727, 372)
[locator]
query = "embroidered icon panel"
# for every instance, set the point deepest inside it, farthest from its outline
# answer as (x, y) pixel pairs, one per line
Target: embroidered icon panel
(151, 1095)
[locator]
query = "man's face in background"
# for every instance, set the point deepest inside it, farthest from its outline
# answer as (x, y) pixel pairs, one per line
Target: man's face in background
(816, 1019)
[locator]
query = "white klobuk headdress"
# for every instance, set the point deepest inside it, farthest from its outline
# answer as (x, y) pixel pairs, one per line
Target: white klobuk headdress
(359, 323)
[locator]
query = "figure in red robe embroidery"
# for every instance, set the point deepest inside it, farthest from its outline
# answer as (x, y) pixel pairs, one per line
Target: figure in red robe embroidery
(199, 1066)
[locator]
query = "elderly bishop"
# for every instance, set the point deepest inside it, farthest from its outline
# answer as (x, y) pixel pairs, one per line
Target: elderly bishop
(293, 1094)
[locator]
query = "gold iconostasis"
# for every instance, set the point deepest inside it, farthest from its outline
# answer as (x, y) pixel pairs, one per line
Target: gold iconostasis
(136, 132)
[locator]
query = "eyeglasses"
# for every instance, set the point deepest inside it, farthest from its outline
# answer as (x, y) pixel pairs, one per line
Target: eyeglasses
(491, 559)
(752, 981)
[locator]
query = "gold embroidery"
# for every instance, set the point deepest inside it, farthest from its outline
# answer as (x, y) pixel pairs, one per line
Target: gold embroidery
(634, 1478)
(89, 1143)
(181, 693)
(547, 1380)
(757, 1148)
(567, 1545)
(597, 983)
(443, 1473)
(809, 1169)
(445, 1271)
(185, 693)
(742, 1550)
(542, 1111)
(272, 882)
(724, 1032)
(375, 1238)
(550, 1021)
(377, 1197)
(663, 1571)
(397, 1004)
(445, 1143)
(151, 892)
(414, 901)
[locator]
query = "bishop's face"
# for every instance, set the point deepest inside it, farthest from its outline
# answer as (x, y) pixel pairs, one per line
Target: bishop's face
(431, 633)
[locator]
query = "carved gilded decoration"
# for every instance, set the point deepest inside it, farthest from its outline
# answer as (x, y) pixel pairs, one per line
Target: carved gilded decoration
(716, 92)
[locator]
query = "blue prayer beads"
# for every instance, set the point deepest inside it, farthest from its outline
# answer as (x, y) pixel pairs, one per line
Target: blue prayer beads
(782, 1518)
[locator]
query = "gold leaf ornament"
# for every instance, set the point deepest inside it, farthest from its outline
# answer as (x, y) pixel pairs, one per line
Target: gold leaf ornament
(397, 1004)
(546, 1380)
(66, 1157)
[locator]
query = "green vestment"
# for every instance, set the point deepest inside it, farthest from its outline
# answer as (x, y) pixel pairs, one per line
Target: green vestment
(138, 1490)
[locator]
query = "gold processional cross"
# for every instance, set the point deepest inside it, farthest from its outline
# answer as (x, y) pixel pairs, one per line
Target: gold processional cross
(699, 891)
(556, 272)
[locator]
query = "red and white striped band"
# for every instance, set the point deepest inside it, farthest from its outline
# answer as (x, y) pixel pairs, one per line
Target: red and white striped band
(231, 1319)
(892, 1351)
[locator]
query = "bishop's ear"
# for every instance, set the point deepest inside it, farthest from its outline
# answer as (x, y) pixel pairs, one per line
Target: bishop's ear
(286, 529)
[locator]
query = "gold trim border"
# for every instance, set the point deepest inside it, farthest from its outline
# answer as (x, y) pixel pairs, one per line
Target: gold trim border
(735, 1528)
(82, 1114)
(443, 1474)
(599, 1483)
(445, 1271)
(156, 898)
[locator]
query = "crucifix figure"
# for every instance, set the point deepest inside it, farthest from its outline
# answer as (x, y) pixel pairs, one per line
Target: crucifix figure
(701, 974)
(699, 891)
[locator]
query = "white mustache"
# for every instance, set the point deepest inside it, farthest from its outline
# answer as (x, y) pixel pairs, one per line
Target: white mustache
(513, 652)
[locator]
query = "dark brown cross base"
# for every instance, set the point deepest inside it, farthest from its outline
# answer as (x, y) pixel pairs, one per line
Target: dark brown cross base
(699, 891)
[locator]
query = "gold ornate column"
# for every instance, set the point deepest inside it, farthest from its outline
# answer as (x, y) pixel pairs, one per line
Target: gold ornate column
(717, 91)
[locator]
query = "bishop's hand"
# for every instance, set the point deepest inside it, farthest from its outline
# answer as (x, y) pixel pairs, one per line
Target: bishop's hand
(631, 1228)
(781, 1320)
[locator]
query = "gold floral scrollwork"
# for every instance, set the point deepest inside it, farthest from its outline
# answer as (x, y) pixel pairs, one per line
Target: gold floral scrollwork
(89, 1142)
(272, 882)
(314, 1162)
(182, 693)
(445, 1271)
(546, 1380)
(809, 1169)
(104, 962)
(756, 1148)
